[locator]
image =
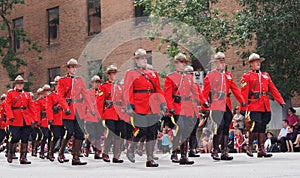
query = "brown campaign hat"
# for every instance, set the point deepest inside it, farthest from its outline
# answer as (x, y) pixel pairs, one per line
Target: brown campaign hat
(254, 57)
(46, 87)
(3, 96)
(181, 57)
(39, 90)
(72, 62)
(19, 80)
(189, 69)
(55, 80)
(111, 68)
(140, 53)
(96, 78)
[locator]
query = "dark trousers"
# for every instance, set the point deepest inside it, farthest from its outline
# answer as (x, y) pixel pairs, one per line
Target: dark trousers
(145, 126)
(113, 128)
(45, 133)
(94, 129)
(223, 120)
(16, 133)
(2, 135)
(36, 134)
(56, 132)
(260, 121)
(126, 130)
(72, 128)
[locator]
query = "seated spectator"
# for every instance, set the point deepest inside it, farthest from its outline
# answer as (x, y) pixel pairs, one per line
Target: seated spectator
(290, 138)
(292, 118)
(165, 141)
(206, 140)
(271, 143)
(282, 135)
(238, 138)
(238, 118)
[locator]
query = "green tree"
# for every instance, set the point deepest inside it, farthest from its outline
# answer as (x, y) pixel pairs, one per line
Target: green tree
(9, 59)
(274, 25)
(201, 19)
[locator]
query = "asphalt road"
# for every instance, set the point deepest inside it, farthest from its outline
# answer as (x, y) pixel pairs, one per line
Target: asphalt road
(280, 165)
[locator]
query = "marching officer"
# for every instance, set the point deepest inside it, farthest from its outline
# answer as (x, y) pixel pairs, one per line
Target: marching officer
(73, 90)
(255, 87)
(93, 125)
(111, 120)
(145, 100)
(2, 118)
(36, 134)
(196, 104)
(218, 85)
(180, 90)
(43, 121)
(54, 111)
(20, 113)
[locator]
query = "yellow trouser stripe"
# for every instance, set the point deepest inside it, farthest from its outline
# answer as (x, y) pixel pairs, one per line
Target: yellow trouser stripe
(66, 133)
(216, 125)
(176, 125)
(107, 130)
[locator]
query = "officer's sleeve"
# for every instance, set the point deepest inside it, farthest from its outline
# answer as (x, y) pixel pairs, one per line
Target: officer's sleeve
(100, 97)
(86, 96)
(206, 90)
(35, 114)
(236, 91)
(275, 93)
(245, 90)
(61, 91)
(7, 106)
(128, 89)
(49, 105)
(168, 92)
(160, 96)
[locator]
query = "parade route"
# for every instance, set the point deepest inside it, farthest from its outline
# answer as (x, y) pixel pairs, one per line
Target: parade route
(281, 165)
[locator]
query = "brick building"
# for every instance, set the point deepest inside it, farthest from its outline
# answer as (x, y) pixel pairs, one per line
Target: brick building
(77, 28)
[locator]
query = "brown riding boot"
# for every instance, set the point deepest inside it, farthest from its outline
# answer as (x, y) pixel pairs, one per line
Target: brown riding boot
(149, 151)
(117, 151)
(51, 151)
(130, 152)
(224, 153)
(183, 150)
(97, 150)
(34, 148)
(9, 152)
(107, 145)
(14, 151)
(61, 153)
(192, 144)
(252, 136)
(75, 152)
(42, 151)
(23, 151)
(261, 141)
(214, 153)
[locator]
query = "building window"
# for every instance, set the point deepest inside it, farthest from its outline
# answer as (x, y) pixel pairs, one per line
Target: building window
(94, 16)
(53, 24)
(52, 73)
(139, 14)
(149, 59)
(18, 28)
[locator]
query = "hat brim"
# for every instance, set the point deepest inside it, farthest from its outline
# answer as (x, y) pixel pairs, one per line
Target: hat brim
(261, 60)
(138, 56)
(19, 82)
(186, 60)
(109, 71)
(67, 65)
(53, 83)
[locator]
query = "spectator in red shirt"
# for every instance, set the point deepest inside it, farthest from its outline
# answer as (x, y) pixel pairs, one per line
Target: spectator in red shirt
(292, 118)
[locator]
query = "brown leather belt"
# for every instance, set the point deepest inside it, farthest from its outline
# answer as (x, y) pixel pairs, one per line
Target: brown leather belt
(19, 108)
(144, 91)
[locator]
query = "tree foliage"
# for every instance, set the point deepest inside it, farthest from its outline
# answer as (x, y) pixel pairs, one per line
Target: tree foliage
(270, 27)
(274, 26)
(9, 59)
